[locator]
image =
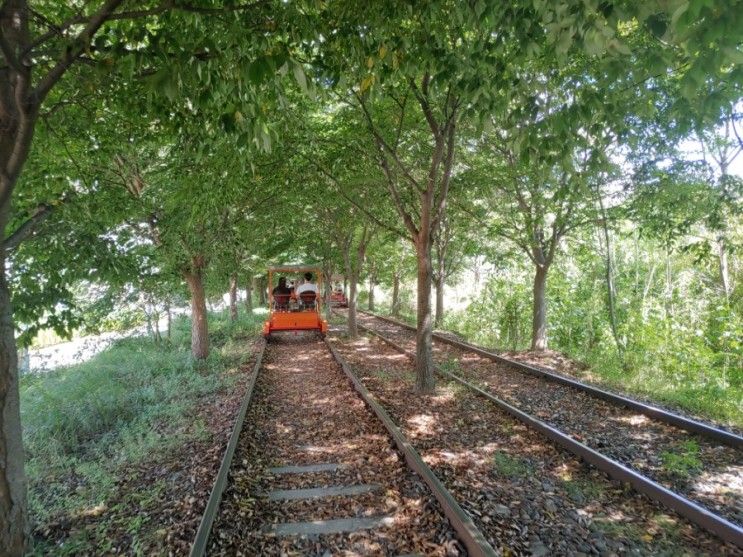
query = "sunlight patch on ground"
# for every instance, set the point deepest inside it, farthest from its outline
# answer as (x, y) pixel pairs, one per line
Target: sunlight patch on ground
(463, 459)
(564, 473)
(444, 396)
(635, 419)
(729, 480)
(422, 424)
(94, 511)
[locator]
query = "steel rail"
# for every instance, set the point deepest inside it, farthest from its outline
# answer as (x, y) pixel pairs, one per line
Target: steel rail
(688, 424)
(474, 541)
(198, 549)
(718, 525)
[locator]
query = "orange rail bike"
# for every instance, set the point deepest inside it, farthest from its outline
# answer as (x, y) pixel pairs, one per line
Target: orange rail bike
(289, 312)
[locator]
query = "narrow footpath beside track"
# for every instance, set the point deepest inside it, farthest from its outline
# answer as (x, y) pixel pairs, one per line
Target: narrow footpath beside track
(483, 455)
(314, 472)
(713, 477)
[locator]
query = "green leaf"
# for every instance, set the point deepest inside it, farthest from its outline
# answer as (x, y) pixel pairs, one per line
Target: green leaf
(300, 76)
(366, 83)
(258, 70)
(733, 54)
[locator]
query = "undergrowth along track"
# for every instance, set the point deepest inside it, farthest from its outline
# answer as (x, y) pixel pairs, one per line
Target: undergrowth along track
(696, 513)
(279, 493)
(727, 437)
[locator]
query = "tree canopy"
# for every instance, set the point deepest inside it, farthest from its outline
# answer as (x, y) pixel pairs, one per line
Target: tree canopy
(164, 147)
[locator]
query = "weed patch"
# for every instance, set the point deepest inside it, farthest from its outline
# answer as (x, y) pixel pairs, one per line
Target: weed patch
(581, 491)
(684, 461)
(511, 466)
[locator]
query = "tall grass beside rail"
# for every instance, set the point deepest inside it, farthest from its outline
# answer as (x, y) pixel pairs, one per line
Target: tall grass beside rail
(85, 424)
(663, 362)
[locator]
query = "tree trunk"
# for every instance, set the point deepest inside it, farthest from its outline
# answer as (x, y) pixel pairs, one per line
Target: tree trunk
(539, 309)
(199, 324)
(24, 360)
(611, 293)
(158, 336)
(233, 297)
(148, 320)
(439, 301)
(249, 286)
(669, 287)
(396, 295)
(328, 290)
(19, 111)
(169, 318)
(722, 255)
(353, 330)
(424, 380)
(13, 505)
(371, 292)
(262, 292)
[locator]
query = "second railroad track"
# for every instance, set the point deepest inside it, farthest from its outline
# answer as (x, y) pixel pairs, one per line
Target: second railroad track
(697, 475)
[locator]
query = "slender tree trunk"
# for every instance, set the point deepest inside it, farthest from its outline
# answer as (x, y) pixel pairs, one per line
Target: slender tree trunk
(249, 285)
(233, 297)
(371, 292)
(199, 324)
(441, 250)
(424, 380)
(539, 309)
(169, 319)
(156, 319)
(439, 300)
(262, 291)
(645, 291)
(722, 255)
(24, 360)
(611, 293)
(353, 330)
(148, 319)
(669, 287)
(396, 294)
(327, 291)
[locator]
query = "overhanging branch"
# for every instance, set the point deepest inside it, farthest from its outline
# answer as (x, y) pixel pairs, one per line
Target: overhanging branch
(26, 229)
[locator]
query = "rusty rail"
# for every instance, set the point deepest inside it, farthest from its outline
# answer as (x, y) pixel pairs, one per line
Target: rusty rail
(210, 512)
(718, 525)
(468, 532)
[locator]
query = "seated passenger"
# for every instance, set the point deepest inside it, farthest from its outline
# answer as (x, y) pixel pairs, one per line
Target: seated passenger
(281, 294)
(307, 292)
(307, 286)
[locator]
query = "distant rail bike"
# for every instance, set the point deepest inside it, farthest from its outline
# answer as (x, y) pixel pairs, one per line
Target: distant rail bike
(290, 308)
(338, 299)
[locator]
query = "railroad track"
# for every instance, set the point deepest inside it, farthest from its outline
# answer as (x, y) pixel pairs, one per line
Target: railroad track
(618, 438)
(310, 468)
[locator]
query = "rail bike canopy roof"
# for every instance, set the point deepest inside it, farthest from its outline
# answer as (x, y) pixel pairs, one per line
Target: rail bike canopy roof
(296, 268)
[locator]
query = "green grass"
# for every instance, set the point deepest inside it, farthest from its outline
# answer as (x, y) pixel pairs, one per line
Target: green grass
(683, 461)
(581, 490)
(688, 383)
(382, 375)
(86, 424)
(511, 466)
